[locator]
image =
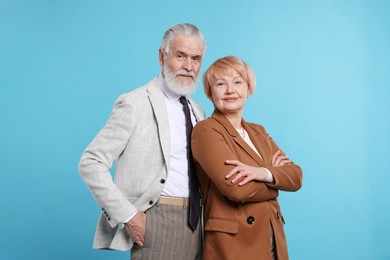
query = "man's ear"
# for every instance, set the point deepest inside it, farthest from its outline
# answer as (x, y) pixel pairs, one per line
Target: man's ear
(161, 58)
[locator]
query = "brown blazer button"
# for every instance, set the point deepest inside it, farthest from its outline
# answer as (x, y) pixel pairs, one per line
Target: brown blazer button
(250, 220)
(278, 215)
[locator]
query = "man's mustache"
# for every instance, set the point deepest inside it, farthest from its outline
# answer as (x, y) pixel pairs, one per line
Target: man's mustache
(185, 73)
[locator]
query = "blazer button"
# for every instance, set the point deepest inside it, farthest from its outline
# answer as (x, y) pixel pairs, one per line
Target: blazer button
(162, 181)
(250, 220)
(151, 202)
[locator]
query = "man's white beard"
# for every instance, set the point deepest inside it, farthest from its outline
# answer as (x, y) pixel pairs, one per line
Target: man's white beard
(181, 88)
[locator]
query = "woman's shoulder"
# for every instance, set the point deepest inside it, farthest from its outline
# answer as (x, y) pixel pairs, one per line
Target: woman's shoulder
(256, 127)
(206, 123)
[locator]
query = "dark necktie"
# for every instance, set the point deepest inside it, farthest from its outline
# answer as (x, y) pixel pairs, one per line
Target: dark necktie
(194, 213)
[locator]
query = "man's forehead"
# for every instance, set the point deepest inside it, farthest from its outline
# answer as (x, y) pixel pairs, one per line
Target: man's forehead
(187, 44)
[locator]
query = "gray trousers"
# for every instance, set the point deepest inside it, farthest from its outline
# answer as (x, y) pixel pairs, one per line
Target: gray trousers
(168, 236)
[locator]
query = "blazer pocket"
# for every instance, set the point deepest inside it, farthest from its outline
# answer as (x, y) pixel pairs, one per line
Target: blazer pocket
(222, 225)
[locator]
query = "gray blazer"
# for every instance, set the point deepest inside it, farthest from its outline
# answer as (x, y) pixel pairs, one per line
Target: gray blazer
(137, 137)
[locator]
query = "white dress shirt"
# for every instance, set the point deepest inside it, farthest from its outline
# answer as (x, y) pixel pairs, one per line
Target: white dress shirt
(177, 182)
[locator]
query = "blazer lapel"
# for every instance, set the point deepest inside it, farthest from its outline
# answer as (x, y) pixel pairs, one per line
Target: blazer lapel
(199, 114)
(258, 140)
(236, 137)
(156, 97)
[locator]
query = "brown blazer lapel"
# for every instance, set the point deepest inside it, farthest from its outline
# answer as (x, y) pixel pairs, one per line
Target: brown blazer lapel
(259, 142)
(217, 115)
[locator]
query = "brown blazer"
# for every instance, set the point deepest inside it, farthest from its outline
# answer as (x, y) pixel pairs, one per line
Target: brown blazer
(238, 219)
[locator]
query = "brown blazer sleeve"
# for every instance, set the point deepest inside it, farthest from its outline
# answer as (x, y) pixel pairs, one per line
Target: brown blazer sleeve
(211, 147)
(287, 177)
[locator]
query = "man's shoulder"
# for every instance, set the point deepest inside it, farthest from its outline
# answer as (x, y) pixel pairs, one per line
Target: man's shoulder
(194, 103)
(199, 112)
(133, 94)
(139, 93)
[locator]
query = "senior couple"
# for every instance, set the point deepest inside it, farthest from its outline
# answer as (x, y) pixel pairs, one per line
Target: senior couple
(172, 164)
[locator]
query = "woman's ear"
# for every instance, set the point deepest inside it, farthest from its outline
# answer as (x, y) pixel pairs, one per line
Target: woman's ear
(210, 95)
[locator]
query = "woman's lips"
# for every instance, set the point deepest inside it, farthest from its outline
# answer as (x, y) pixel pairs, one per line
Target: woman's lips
(230, 99)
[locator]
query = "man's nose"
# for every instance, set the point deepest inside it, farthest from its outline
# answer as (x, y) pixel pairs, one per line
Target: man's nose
(187, 64)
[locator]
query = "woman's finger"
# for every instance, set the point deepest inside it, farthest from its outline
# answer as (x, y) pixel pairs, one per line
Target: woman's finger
(275, 156)
(284, 162)
(232, 172)
(237, 177)
(246, 180)
(233, 162)
(279, 159)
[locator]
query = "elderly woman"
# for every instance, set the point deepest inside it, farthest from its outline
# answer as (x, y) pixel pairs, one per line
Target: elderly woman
(240, 171)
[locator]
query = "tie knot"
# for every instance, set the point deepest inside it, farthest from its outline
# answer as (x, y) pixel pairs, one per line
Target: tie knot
(183, 100)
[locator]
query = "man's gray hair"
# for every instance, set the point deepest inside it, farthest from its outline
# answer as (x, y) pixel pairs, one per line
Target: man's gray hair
(185, 29)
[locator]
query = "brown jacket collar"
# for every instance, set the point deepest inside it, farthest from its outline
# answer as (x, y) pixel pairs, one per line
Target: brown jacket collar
(254, 135)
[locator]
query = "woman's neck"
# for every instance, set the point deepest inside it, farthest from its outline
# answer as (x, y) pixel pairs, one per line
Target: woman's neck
(235, 120)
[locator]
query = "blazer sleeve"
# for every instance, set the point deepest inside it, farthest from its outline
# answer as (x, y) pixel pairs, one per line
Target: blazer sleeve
(287, 177)
(211, 150)
(97, 159)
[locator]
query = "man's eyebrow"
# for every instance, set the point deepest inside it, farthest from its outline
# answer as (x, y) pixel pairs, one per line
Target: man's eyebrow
(187, 54)
(181, 53)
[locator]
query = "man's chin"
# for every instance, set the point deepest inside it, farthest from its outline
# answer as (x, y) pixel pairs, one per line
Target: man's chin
(182, 87)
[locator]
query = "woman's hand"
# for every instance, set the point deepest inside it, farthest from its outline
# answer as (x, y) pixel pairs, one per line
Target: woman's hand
(249, 173)
(279, 159)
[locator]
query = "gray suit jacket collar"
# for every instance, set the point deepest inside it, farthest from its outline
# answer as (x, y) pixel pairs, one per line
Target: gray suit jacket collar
(156, 97)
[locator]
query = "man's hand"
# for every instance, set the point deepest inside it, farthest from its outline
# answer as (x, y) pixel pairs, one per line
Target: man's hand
(135, 228)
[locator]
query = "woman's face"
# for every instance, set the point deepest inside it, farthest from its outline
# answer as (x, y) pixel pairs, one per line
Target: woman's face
(229, 92)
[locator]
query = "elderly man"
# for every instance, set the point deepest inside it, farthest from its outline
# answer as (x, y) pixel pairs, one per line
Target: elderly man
(152, 205)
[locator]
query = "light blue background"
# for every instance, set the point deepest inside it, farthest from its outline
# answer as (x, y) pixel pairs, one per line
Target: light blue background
(323, 71)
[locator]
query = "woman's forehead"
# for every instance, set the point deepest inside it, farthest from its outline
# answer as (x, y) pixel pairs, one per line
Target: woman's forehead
(221, 73)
